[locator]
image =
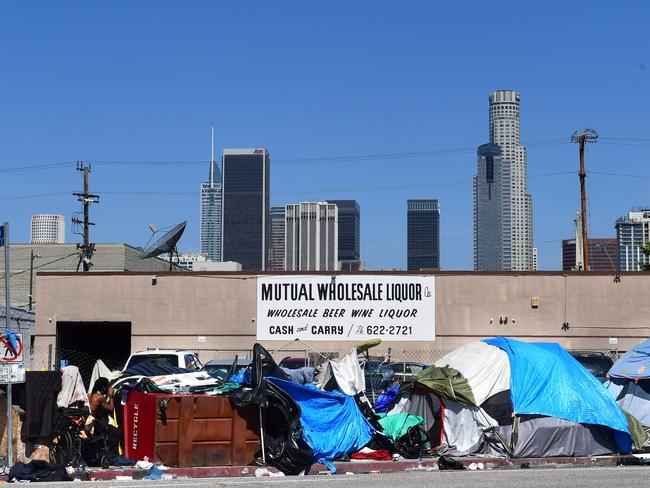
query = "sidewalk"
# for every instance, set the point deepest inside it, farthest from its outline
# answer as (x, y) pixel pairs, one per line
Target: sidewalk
(364, 467)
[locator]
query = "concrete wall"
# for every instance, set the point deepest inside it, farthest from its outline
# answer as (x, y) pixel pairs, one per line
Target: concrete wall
(220, 307)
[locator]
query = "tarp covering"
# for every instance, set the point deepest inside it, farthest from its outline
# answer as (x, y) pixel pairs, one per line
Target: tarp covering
(547, 380)
(634, 364)
(387, 399)
(333, 425)
(634, 398)
(347, 372)
(395, 426)
(447, 382)
(485, 367)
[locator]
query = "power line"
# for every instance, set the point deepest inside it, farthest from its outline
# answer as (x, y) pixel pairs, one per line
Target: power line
(300, 160)
(42, 265)
(622, 175)
(285, 192)
(37, 195)
(36, 167)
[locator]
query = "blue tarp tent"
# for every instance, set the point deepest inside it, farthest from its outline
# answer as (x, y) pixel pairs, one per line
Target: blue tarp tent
(547, 380)
(628, 381)
(634, 364)
(333, 425)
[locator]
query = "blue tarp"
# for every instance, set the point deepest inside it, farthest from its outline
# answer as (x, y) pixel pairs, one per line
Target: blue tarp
(547, 380)
(386, 399)
(332, 423)
(634, 364)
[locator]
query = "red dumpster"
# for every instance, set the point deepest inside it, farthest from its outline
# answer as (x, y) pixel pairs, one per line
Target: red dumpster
(190, 430)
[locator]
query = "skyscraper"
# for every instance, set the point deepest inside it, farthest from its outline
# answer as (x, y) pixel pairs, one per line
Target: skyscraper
(423, 235)
(349, 229)
(492, 235)
(210, 228)
(633, 232)
(311, 236)
(47, 229)
(276, 253)
(508, 245)
(602, 254)
(245, 209)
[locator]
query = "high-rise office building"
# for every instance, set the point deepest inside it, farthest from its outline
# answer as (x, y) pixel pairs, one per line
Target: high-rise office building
(47, 229)
(311, 236)
(492, 234)
(210, 226)
(349, 229)
(632, 233)
(423, 235)
(276, 253)
(496, 247)
(603, 254)
(534, 259)
(245, 223)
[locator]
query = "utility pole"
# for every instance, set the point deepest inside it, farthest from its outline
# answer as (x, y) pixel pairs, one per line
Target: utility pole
(31, 276)
(86, 198)
(581, 137)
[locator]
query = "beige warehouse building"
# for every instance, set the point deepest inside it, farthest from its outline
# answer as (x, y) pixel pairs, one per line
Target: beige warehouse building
(111, 314)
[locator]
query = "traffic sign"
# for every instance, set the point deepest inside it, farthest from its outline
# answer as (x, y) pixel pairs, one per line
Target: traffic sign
(12, 373)
(7, 353)
(2, 235)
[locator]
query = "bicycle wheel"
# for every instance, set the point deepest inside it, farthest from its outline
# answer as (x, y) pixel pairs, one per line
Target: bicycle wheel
(62, 450)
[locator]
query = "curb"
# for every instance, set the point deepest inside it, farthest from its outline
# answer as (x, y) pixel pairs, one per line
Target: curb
(368, 467)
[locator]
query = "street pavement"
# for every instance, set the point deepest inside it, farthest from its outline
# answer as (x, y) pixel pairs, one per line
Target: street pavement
(618, 477)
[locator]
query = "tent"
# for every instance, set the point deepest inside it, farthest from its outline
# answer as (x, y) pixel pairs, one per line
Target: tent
(628, 381)
(502, 397)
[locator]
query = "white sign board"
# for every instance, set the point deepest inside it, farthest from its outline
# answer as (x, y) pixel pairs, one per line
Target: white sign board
(12, 373)
(7, 353)
(346, 307)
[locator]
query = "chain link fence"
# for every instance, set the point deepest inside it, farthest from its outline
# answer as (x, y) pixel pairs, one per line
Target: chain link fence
(86, 362)
(303, 357)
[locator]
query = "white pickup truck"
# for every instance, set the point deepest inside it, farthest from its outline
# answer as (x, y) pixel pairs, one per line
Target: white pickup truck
(179, 358)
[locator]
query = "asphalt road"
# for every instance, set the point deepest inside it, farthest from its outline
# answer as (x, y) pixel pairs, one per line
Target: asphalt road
(500, 478)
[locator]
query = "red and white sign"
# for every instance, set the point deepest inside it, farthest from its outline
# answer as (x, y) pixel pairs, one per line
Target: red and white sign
(8, 354)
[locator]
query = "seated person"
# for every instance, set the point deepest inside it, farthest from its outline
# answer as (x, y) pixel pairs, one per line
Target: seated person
(102, 405)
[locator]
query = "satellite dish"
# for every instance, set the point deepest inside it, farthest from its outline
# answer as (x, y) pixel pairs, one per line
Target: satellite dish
(165, 244)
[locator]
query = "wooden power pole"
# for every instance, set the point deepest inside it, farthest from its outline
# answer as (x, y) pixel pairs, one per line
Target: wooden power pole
(86, 198)
(581, 137)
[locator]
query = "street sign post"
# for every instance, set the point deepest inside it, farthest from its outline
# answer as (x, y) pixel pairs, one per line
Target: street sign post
(5, 242)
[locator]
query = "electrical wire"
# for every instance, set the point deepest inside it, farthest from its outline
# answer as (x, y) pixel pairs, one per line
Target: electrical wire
(301, 160)
(41, 265)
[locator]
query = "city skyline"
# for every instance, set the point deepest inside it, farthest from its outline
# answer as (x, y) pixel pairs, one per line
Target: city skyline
(381, 113)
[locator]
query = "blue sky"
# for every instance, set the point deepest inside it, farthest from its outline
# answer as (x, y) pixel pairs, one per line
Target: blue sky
(144, 81)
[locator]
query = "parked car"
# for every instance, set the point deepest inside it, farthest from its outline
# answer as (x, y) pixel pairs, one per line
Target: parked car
(219, 368)
(597, 363)
(178, 358)
(405, 371)
(293, 363)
